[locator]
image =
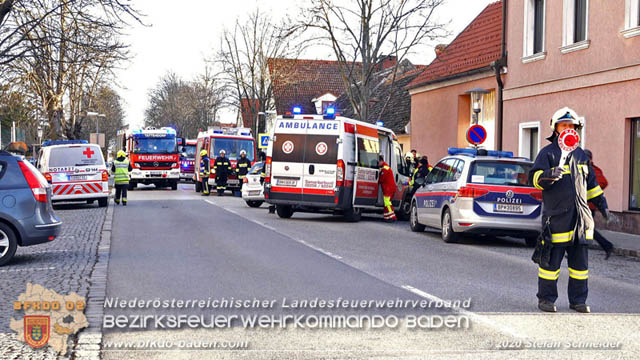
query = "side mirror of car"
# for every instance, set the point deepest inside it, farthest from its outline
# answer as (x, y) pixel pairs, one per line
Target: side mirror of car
(420, 181)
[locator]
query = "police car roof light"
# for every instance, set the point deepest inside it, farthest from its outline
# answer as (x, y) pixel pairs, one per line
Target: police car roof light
(63, 142)
(461, 151)
(479, 152)
(508, 154)
(297, 110)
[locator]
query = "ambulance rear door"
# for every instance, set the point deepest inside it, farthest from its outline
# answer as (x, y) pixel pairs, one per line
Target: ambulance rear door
(320, 161)
(365, 179)
(287, 159)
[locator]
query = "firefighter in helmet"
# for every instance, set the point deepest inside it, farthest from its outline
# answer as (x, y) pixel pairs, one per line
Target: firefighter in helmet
(120, 170)
(243, 166)
(205, 170)
(567, 221)
(388, 184)
(222, 167)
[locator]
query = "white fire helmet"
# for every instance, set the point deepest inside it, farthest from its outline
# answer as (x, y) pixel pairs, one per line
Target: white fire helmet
(243, 152)
(566, 115)
(222, 152)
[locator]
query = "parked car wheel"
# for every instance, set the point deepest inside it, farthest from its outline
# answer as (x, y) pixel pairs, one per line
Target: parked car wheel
(8, 244)
(448, 235)
(413, 219)
(531, 241)
(284, 211)
(254, 203)
(353, 214)
(102, 202)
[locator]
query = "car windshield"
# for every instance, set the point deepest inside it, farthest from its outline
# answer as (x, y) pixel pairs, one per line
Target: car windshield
(500, 173)
(144, 145)
(256, 169)
(190, 150)
(232, 147)
(77, 155)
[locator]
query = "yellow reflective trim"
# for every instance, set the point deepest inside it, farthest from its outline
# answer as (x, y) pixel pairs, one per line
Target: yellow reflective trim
(578, 277)
(562, 237)
(595, 192)
(536, 177)
(589, 234)
(548, 275)
(566, 171)
(578, 272)
(549, 272)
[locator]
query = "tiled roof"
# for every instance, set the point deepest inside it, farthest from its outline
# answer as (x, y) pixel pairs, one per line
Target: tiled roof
(296, 82)
(476, 47)
(390, 101)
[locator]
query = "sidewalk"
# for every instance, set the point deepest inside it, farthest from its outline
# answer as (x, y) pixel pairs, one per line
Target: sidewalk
(625, 244)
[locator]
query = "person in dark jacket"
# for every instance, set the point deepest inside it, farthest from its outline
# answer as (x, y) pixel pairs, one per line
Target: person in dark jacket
(222, 167)
(243, 166)
(606, 245)
(205, 171)
(421, 172)
(567, 221)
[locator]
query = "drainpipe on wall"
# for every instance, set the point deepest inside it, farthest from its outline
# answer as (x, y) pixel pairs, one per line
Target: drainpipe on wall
(498, 65)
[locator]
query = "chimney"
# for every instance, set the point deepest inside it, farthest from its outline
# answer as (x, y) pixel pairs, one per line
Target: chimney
(386, 62)
(440, 49)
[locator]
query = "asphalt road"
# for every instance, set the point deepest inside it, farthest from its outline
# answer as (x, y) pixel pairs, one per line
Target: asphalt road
(177, 244)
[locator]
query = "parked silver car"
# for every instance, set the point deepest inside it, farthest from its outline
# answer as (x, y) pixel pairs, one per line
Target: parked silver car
(253, 186)
(479, 192)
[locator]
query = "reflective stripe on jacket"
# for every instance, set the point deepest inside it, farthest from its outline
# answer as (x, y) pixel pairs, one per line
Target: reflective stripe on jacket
(121, 175)
(205, 169)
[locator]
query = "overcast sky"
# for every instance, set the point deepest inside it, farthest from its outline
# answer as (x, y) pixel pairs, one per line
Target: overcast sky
(180, 34)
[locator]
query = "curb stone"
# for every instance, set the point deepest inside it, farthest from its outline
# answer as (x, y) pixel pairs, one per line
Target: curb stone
(89, 341)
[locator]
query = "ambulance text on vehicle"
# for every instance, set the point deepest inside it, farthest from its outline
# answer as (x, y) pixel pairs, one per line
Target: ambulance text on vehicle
(76, 171)
(232, 141)
(153, 154)
(327, 163)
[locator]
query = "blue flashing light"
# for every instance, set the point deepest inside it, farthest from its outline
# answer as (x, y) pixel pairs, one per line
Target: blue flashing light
(297, 110)
(508, 154)
(458, 151)
(217, 131)
(245, 134)
(64, 142)
(474, 152)
(379, 123)
(331, 111)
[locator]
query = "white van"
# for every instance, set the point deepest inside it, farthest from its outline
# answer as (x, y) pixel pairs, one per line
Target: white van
(75, 170)
(322, 163)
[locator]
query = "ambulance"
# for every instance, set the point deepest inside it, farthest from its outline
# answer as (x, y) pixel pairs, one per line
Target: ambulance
(329, 163)
(76, 171)
(153, 154)
(232, 141)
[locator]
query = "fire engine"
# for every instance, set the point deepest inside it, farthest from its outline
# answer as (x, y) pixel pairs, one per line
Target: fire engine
(232, 141)
(187, 158)
(153, 154)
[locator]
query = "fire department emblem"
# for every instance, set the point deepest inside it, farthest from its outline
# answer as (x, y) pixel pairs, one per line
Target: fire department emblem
(321, 148)
(287, 147)
(36, 330)
(509, 194)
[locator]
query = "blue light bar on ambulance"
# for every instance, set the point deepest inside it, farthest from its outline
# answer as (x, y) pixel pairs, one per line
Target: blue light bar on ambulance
(475, 152)
(218, 132)
(379, 123)
(64, 142)
(297, 110)
(331, 111)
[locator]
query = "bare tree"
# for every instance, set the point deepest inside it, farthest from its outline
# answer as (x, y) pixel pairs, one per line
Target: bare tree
(188, 106)
(244, 58)
(362, 32)
(107, 101)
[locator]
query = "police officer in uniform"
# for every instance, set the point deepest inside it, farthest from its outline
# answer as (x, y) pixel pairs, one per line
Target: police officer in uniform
(205, 170)
(243, 166)
(120, 170)
(222, 167)
(567, 221)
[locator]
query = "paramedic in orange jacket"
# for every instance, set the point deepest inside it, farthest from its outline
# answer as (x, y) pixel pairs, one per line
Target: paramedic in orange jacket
(388, 184)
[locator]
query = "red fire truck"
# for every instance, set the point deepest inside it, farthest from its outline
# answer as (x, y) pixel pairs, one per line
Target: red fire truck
(232, 141)
(153, 154)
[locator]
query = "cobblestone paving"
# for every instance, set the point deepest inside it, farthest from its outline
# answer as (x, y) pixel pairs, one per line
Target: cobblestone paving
(64, 265)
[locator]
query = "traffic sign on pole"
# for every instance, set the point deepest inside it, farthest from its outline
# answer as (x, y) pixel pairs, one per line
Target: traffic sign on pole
(476, 134)
(264, 141)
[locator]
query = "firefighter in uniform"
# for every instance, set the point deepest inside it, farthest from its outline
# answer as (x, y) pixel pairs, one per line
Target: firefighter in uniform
(388, 183)
(222, 167)
(205, 170)
(120, 170)
(243, 166)
(567, 221)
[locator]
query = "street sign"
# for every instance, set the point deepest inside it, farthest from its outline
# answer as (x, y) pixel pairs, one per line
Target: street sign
(264, 141)
(568, 141)
(476, 134)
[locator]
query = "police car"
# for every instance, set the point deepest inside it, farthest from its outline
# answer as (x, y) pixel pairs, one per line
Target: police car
(76, 171)
(478, 192)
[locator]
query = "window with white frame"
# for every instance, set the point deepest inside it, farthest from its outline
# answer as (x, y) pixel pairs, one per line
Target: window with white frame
(529, 140)
(575, 32)
(632, 18)
(534, 30)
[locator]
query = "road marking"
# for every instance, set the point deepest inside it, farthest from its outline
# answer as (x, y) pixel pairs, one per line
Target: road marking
(28, 269)
(328, 253)
(476, 317)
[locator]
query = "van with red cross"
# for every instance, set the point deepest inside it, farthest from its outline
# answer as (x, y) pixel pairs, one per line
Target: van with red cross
(76, 171)
(329, 164)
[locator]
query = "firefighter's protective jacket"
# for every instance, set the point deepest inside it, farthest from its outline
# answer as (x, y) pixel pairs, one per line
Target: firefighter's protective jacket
(243, 166)
(387, 181)
(205, 166)
(222, 167)
(565, 200)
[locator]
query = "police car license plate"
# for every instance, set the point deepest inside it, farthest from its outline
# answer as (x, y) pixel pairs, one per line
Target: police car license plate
(286, 182)
(508, 208)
